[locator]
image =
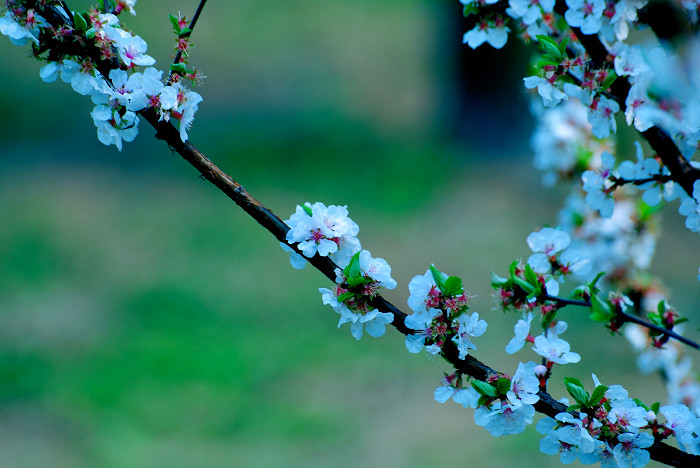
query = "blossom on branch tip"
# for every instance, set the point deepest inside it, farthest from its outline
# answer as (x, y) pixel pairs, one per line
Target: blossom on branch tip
(585, 14)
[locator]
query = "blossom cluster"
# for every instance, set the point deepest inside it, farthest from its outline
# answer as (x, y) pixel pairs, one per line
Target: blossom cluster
(607, 428)
(503, 405)
(326, 230)
(439, 306)
(356, 287)
(103, 67)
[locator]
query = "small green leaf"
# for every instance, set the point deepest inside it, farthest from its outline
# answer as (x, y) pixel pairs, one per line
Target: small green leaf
(512, 268)
(612, 76)
(470, 9)
(353, 269)
(524, 285)
(574, 381)
(573, 407)
(80, 23)
(577, 392)
(600, 310)
(453, 286)
(181, 69)
(497, 281)
(358, 280)
(641, 403)
(655, 407)
(175, 23)
(438, 277)
(598, 394)
(306, 208)
(484, 400)
(484, 388)
(562, 46)
(592, 285)
(503, 386)
(550, 46)
(345, 296)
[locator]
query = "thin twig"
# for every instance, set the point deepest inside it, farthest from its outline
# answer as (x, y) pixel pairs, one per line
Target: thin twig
(627, 318)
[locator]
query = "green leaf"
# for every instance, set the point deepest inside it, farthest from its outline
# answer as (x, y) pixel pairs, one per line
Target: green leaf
(598, 394)
(503, 386)
(641, 403)
(600, 310)
(562, 46)
(550, 46)
(345, 296)
(592, 285)
(680, 320)
(470, 9)
(512, 267)
(358, 280)
(438, 277)
(573, 407)
(453, 286)
(577, 392)
(180, 69)
(655, 319)
(524, 285)
(574, 381)
(185, 30)
(307, 208)
(612, 76)
(80, 23)
(497, 281)
(353, 269)
(531, 276)
(484, 400)
(484, 388)
(655, 407)
(175, 23)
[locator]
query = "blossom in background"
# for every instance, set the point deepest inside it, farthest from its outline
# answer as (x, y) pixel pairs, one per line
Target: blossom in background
(494, 33)
(551, 96)
(585, 14)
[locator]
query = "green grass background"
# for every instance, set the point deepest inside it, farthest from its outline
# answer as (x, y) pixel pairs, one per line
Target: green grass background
(145, 321)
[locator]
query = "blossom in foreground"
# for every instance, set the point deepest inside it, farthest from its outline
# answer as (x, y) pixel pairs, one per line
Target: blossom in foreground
(501, 418)
(522, 331)
(524, 385)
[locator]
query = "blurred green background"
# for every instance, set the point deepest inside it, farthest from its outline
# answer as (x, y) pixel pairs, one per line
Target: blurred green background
(145, 321)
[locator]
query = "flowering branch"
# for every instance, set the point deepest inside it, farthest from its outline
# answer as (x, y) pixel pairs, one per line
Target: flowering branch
(440, 323)
(622, 316)
(183, 37)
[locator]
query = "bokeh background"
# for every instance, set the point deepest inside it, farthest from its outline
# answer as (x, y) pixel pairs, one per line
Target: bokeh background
(145, 321)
